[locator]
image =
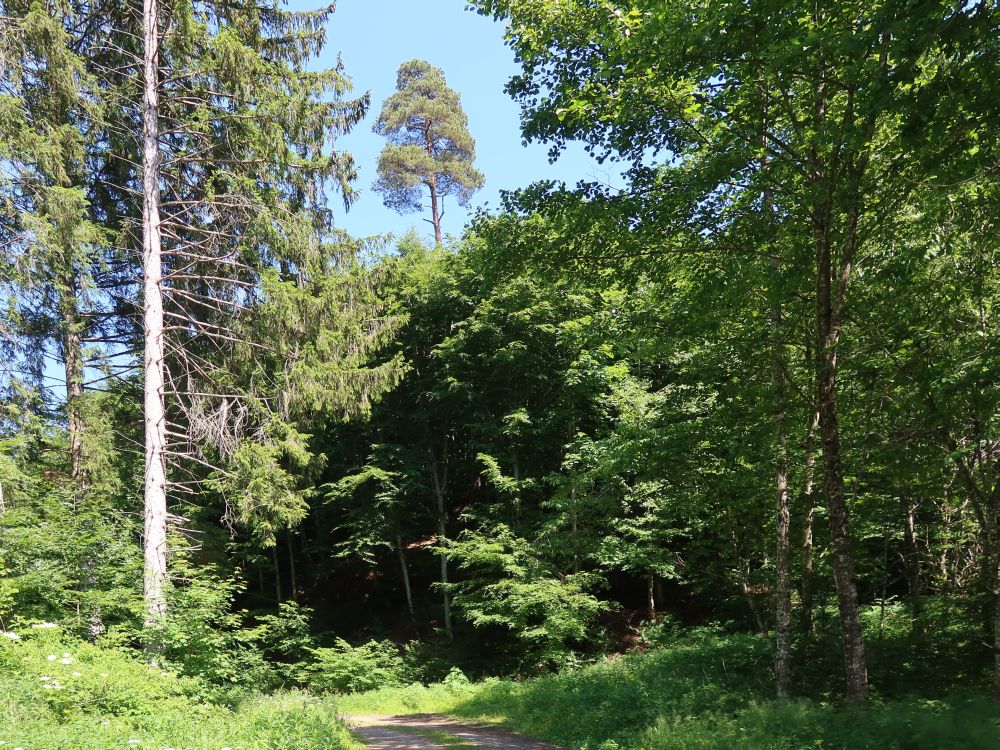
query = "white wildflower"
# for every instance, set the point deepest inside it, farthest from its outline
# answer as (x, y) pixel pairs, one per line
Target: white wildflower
(65, 660)
(44, 625)
(77, 674)
(106, 723)
(45, 678)
(51, 657)
(134, 742)
(12, 636)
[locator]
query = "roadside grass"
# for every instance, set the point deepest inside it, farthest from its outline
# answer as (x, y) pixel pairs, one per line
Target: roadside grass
(708, 691)
(60, 695)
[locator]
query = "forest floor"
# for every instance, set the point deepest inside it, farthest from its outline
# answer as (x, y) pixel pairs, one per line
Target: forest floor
(435, 732)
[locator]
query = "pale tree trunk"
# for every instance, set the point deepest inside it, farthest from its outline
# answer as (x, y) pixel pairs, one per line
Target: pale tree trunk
(651, 596)
(404, 570)
(154, 412)
(807, 531)
(439, 478)
(783, 565)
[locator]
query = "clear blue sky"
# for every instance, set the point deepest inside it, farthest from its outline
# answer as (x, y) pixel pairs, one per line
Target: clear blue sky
(374, 37)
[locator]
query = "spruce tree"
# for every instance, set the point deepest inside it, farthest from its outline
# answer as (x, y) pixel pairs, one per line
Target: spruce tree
(429, 144)
(237, 154)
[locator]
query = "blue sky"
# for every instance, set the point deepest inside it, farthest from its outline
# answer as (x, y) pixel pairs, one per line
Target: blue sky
(374, 37)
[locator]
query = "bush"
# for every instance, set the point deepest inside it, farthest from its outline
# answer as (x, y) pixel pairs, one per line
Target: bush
(344, 668)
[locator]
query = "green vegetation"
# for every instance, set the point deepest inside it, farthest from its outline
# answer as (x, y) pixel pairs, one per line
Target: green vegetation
(706, 456)
(59, 694)
(706, 690)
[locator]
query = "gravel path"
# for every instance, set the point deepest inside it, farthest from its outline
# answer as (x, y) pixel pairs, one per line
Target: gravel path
(378, 732)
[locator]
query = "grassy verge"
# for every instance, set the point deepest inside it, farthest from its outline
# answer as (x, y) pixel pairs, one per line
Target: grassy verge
(712, 692)
(60, 696)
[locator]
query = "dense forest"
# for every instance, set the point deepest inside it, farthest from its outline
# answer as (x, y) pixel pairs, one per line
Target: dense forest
(735, 417)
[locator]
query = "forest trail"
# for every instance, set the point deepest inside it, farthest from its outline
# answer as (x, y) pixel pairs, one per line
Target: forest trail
(435, 732)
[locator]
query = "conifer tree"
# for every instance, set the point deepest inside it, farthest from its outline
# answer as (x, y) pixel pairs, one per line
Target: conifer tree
(237, 153)
(429, 144)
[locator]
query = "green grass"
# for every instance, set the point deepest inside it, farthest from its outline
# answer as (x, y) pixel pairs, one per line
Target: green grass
(57, 695)
(711, 692)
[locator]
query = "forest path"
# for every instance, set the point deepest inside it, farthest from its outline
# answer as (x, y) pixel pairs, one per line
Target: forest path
(435, 732)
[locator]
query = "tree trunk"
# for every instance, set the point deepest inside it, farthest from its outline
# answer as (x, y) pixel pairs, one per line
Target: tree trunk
(73, 367)
(404, 569)
(154, 412)
(433, 187)
(435, 214)
(996, 629)
(651, 596)
(292, 582)
(807, 531)
(439, 477)
(278, 595)
(783, 564)
(828, 330)
(911, 560)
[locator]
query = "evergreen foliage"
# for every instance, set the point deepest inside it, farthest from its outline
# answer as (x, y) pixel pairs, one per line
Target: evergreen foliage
(429, 144)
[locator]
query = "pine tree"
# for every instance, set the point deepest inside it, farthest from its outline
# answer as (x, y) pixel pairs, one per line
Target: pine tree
(429, 144)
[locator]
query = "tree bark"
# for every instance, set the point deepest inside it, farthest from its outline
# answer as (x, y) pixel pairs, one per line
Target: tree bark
(278, 595)
(996, 629)
(439, 478)
(435, 214)
(911, 560)
(432, 186)
(73, 367)
(293, 583)
(807, 532)
(154, 412)
(828, 333)
(404, 570)
(783, 564)
(651, 596)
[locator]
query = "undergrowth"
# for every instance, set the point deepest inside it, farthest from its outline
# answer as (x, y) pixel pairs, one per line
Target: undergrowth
(57, 694)
(706, 690)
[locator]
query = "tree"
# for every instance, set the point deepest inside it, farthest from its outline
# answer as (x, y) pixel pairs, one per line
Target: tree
(429, 144)
(239, 250)
(804, 103)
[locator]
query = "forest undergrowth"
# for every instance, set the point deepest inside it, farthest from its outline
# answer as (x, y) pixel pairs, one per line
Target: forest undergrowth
(57, 693)
(705, 688)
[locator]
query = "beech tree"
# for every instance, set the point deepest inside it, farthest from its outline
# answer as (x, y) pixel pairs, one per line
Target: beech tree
(429, 144)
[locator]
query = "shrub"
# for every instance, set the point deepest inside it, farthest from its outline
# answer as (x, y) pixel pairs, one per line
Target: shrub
(344, 668)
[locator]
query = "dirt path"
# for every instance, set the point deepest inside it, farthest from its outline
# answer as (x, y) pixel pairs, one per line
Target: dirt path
(427, 732)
